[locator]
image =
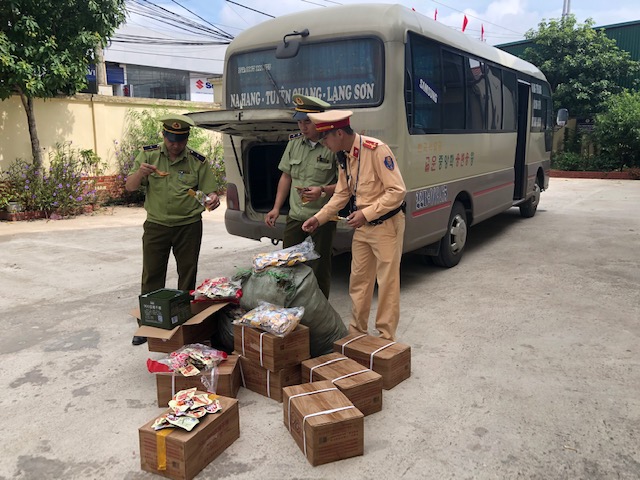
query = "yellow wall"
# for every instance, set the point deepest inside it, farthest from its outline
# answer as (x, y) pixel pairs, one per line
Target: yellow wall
(87, 121)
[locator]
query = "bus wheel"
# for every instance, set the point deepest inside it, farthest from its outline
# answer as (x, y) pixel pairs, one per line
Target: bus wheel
(452, 244)
(528, 208)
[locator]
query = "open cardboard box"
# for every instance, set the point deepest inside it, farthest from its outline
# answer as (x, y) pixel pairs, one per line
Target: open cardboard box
(198, 328)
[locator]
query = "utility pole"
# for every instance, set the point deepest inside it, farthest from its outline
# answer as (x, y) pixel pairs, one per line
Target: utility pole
(566, 8)
(101, 73)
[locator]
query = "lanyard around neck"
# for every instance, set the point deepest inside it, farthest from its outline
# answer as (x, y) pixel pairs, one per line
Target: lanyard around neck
(355, 188)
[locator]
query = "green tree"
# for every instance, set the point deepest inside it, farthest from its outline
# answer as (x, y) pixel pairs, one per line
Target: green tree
(617, 130)
(46, 47)
(583, 65)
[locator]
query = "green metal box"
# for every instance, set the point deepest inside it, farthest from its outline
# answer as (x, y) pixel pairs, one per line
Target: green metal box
(165, 308)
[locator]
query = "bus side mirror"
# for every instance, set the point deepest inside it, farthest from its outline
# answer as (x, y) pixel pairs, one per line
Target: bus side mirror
(289, 48)
(563, 116)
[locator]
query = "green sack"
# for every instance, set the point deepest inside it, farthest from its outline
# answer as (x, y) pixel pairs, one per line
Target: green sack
(296, 287)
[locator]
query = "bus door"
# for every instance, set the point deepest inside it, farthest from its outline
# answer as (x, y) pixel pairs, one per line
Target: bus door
(520, 185)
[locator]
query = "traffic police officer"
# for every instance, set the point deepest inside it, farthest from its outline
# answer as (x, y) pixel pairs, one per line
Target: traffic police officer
(174, 218)
(370, 182)
(309, 174)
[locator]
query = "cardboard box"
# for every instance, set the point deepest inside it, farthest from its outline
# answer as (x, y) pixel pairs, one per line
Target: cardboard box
(265, 382)
(178, 454)
(323, 422)
(390, 359)
(197, 329)
(363, 387)
(167, 384)
(269, 351)
(165, 308)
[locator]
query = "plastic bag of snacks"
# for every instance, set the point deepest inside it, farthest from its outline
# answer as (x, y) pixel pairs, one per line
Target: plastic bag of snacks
(286, 257)
(273, 319)
(219, 289)
(188, 360)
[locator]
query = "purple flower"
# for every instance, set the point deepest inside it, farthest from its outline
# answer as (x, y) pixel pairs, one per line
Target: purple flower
(59, 185)
(79, 199)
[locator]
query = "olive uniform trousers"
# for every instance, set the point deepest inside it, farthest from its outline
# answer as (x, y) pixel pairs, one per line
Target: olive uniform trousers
(157, 243)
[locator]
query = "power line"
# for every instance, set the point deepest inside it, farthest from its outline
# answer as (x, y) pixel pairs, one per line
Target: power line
(249, 8)
(205, 21)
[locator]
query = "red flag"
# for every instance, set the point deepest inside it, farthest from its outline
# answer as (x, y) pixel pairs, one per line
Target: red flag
(482, 32)
(435, 15)
(464, 23)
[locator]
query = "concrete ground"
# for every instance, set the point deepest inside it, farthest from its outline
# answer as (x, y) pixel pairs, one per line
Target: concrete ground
(526, 356)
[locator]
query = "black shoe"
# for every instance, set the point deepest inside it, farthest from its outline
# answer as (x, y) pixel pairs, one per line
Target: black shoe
(138, 340)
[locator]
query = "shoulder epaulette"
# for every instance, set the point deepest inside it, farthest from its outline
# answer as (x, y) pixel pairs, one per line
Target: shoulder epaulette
(151, 148)
(293, 136)
(370, 144)
(198, 155)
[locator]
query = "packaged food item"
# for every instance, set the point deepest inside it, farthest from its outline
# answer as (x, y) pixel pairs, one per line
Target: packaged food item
(273, 319)
(186, 408)
(288, 257)
(191, 359)
(219, 289)
(200, 196)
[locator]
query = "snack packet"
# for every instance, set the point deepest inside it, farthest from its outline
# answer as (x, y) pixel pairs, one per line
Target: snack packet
(273, 319)
(219, 289)
(288, 257)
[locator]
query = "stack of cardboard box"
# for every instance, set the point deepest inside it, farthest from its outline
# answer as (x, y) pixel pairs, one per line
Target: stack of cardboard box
(268, 362)
(325, 399)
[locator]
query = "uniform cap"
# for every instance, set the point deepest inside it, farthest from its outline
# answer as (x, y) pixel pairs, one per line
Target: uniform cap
(331, 119)
(308, 104)
(176, 128)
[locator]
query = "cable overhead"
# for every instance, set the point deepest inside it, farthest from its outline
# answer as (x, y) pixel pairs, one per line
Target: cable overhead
(204, 20)
(249, 8)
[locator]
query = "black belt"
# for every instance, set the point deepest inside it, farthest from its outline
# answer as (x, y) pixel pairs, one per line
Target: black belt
(387, 216)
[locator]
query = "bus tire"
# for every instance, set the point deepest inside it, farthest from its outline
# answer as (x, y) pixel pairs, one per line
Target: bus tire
(528, 208)
(453, 243)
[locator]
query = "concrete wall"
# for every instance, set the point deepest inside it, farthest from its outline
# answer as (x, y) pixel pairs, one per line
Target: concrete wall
(88, 121)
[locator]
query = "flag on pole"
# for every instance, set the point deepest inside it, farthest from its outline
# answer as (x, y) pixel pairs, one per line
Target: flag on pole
(482, 32)
(435, 15)
(464, 23)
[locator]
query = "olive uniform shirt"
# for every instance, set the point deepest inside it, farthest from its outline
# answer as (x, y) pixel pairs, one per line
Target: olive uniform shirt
(309, 166)
(167, 201)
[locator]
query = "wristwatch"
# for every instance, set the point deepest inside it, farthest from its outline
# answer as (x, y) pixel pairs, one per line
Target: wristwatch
(323, 193)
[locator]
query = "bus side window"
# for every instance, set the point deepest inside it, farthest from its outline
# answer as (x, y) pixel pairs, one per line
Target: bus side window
(453, 92)
(494, 77)
(476, 94)
(425, 91)
(509, 95)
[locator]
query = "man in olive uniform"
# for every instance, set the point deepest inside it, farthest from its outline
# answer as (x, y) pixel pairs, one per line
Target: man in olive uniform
(309, 173)
(371, 183)
(174, 218)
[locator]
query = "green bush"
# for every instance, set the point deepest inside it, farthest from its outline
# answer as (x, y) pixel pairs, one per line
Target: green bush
(617, 130)
(63, 187)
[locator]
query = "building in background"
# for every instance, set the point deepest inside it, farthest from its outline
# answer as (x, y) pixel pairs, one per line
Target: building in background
(143, 63)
